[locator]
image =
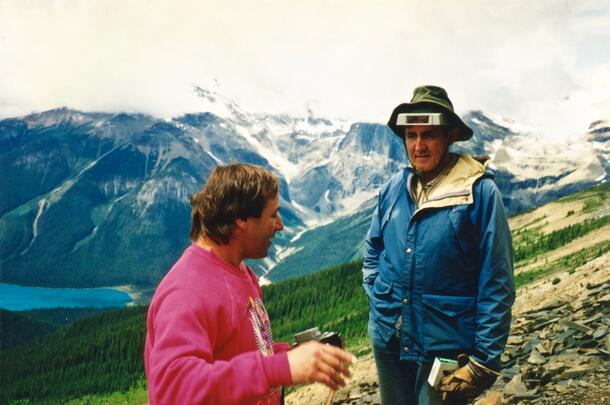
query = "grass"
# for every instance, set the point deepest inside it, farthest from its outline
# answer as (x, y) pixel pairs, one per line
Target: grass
(568, 262)
(593, 204)
(136, 395)
(521, 229)
(536, 243)
(594, 198)
(526, 236)
(602, 191)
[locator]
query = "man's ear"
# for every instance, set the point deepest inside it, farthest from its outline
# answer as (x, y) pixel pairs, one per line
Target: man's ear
(454, 135)
(241, 223)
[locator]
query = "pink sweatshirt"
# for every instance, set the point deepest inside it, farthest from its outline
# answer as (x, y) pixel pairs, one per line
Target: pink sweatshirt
(209, 337)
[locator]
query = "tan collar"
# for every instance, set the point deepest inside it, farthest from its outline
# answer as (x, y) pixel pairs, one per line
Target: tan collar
(456, 187)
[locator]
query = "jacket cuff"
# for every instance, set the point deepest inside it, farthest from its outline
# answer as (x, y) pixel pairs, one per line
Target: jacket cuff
(493, 367)
(277, 369)
(279, 347)
(484, 368)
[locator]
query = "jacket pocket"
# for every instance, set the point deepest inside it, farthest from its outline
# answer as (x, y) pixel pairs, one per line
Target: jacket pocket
(381, 288)
(383, 303)
(385, 309)
(449, 323)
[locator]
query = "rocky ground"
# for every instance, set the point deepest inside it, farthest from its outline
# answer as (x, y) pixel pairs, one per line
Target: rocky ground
(558, 351)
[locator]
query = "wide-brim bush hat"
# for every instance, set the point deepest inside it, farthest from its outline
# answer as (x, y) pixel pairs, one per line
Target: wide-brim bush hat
(435, 99)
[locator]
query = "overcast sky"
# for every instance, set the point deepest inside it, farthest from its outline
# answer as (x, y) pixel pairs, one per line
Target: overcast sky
(543, 64)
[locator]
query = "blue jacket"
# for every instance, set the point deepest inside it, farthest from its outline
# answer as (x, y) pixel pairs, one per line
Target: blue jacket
(444, 268)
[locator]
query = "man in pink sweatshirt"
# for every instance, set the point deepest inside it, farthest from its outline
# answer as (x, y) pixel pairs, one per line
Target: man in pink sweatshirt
(209, 337)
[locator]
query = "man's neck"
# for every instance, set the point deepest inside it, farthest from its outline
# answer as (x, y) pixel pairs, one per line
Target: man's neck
(430, 176)
(227, 252)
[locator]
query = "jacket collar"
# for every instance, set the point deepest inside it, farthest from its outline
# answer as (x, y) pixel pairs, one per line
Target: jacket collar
(457, 187)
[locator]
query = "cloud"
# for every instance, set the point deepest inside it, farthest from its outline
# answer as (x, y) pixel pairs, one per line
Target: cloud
(530, 62)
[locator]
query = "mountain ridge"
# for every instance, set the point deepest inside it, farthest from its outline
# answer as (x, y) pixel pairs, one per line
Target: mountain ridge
(102, 198)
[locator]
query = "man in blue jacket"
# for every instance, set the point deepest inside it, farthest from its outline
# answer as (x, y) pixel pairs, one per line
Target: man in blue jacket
(438, 268)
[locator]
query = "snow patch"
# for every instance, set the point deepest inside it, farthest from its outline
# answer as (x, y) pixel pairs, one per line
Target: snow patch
(288, 169)
(41, 206)
(352, 203)
(529, 158)
(262, 281)
(512, 125)
(326, 196)
(59, 191)
(298, 235)
(214, 157)
(269, 263)
(287, 252)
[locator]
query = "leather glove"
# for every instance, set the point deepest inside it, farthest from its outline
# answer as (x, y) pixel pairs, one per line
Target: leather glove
(468, 381)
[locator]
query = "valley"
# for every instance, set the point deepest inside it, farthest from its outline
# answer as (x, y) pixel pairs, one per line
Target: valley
(101, 354)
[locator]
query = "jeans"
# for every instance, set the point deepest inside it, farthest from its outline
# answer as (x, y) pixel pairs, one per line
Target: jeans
(404, 382)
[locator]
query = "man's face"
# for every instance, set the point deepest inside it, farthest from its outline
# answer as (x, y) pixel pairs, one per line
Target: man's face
(427, 147)
(260, 231)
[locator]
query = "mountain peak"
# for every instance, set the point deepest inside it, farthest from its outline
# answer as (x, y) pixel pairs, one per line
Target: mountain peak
(486, 120)
(55, 116)
(219, 105)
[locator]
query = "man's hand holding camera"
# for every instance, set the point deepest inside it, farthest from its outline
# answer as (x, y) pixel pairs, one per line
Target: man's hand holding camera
(316, 362)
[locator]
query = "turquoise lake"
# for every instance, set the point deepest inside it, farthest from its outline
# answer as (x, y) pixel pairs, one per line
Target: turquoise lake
(18, 298)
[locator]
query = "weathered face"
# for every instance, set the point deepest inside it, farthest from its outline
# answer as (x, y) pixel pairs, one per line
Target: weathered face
(260, 231)
(427, 146)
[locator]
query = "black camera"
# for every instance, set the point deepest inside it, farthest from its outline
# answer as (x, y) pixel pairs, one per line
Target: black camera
(331, 338)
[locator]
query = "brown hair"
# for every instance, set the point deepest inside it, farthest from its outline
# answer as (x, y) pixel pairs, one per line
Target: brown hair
(233, 191)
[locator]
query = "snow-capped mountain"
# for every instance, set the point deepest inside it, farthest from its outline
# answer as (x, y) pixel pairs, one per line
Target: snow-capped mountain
(102, 199)
(529, 171)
